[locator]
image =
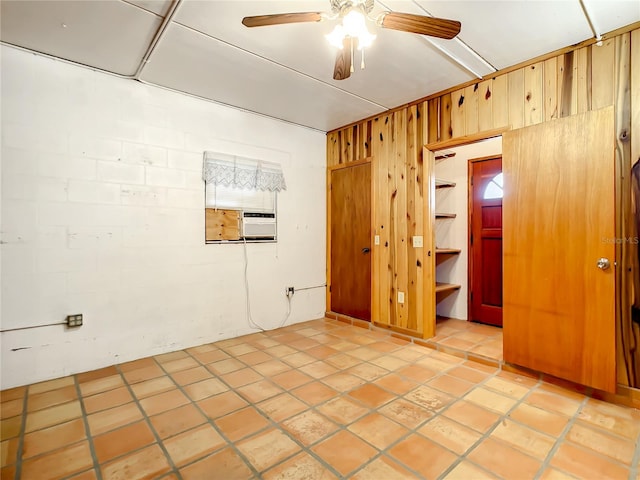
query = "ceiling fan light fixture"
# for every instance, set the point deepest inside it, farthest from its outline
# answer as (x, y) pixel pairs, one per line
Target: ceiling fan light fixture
(336, 36)
(353, 26)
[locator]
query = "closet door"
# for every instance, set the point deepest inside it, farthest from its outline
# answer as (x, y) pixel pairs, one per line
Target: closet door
(559, 248)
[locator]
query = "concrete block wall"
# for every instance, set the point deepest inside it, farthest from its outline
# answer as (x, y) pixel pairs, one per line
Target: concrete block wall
(102, 213)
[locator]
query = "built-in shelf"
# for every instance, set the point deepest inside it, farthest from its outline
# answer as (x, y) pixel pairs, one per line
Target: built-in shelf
(443, 155)
(446, 287)
(445, 215)
(447, 251)
(444, 183)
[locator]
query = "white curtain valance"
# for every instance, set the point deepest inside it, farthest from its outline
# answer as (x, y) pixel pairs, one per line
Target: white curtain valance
(239, 172)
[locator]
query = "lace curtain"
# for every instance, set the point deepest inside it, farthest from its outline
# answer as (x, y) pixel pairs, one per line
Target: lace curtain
(238, 172)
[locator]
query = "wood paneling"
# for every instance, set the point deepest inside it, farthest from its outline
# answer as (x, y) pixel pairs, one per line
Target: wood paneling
(559, 308)
(221, 224)
(582, 78)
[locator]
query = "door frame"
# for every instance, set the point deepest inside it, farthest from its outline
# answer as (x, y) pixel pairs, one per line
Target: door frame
(330, 170)
(469, 226)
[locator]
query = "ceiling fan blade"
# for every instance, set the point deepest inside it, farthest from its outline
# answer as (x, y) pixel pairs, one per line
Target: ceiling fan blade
(281, 18)
(342, 69)
(434, 27)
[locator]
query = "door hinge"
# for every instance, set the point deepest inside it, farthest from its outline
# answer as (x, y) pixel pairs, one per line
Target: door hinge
(471, 239)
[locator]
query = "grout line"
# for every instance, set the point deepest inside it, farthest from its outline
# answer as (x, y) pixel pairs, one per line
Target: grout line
(23, 427)
(136, 400)
(85, 420)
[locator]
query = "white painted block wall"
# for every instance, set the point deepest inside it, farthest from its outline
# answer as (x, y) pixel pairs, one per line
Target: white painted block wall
(103, 214)
(454, 233)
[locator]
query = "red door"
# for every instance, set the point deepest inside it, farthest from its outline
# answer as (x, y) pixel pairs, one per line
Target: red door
(485, 240)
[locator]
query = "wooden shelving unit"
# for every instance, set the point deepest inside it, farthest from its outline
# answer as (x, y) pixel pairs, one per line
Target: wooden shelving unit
(445, 215)
(448, 251)
(444, 183)
(442, 287)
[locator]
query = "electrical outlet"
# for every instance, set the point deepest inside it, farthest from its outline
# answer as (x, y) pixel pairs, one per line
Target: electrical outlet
(417, 241)
(400, 297)
(290, 291)
(74, 320)
(376, 240)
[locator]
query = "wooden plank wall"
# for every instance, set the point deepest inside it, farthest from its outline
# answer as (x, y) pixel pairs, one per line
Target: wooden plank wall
(575, 81)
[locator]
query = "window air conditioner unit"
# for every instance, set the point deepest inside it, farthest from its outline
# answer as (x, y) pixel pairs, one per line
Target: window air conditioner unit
(259, 225)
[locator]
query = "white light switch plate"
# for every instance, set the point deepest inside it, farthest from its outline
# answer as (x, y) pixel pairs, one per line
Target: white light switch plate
(400, 297)
(376, 240)
(417, 241)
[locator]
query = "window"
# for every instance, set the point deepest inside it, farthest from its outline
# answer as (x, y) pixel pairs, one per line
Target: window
(494, 188)
(240, 198)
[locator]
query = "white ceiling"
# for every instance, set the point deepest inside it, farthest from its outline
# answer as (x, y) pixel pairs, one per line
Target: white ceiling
(286, 71)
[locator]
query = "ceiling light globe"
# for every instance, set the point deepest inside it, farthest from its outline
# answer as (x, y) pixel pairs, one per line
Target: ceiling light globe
(354, 23)
(336, 37)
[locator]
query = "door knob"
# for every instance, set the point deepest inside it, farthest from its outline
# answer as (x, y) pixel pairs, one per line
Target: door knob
(365, 250)
(603, 263)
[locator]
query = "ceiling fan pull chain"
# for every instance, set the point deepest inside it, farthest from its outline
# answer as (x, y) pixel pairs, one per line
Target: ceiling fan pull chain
(362, 59)
(351, 68)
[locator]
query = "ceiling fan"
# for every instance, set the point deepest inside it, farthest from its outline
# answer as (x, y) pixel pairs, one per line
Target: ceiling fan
(353, 29)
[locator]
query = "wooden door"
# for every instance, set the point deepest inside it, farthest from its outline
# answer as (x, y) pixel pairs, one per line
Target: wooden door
(558, 220)
(485, 240)
(351, 241)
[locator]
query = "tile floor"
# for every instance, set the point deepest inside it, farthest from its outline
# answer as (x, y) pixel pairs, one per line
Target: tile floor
(318, 400)
(477, 339)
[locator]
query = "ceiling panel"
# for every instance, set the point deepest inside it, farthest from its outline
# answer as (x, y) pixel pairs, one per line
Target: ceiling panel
(192, 62)
(400, 67)
(509, 32)
(160, 7)
(608, 15)
(110, 35)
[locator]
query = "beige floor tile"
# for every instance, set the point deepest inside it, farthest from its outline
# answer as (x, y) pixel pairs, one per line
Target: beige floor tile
(309, 427)
(472, 416)
(429, 398)
(383, 468)
(547, 422)
(451, 385)
(417, 373)
(52, 416)
(155, 386)
(271, 368)
(468, 374)
(259, 391)
(343, 361)
(535, 444)
(406, 413)
(171, 356)
(314, 393)
(123, 440)
(505, 461)
(282, 407)
(378, 430)
(506, 387)
(52, 438)
(9, 452)
(137, 364)
(427, 458)
(205, 388)
(11, 408)
(163, 402)
(371, 395)
(180, 364)
(221, 404)
(291, 379)
(368, 371)
(241, 423)
(241, 377)
(321, 352)
(149, 462)
(490, 400)
(584, 464)
(396, 384)
(601, 442)
(191, 375)
(280, 351)
(552, 402)
(298, 359)
(319, 369)
(59, 463)
(267, 448)
(613, 418)
(51, 398)
(225, 366)
(145, 373)
(89, 475)
(343, 410)
(177, 420)
(193, 444)
(211, 356)
(51, 385)
(226, 464)
(450, 434)
(254, 358)
(105, 400)
(553, 474)
(468, 471)
(302, 467)
(113, 418)
(344, 452)
(101, 385)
